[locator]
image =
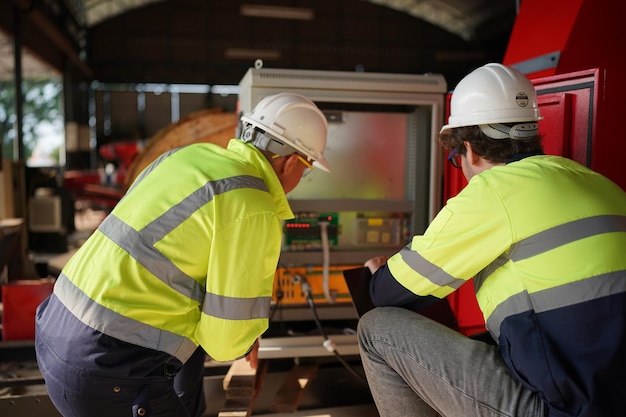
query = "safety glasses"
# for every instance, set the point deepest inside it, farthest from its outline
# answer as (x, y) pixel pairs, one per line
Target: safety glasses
(308, 166)
(454, 158)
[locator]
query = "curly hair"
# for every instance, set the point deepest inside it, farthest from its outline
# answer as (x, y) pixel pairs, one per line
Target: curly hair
(493, 150)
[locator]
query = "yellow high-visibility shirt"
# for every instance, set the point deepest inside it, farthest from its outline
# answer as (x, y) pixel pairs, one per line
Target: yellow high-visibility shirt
(187, 257)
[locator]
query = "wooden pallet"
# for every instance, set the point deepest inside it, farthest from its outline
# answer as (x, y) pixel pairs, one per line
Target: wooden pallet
(288, 397)
(243, 383)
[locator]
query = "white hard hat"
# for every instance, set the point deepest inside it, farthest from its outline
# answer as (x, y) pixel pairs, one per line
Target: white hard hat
(294, 120)
(492, 95)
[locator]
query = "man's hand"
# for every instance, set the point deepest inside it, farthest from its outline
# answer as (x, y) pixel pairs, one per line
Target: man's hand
(253, 355)
(375, 263)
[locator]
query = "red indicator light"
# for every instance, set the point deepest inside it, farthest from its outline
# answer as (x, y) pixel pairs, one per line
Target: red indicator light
(298, 225)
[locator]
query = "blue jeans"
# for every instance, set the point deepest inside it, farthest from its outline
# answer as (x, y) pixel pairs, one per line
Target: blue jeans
(417, 367)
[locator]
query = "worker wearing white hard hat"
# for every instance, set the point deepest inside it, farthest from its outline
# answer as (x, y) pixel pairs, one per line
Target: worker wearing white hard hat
(495, 94)
(288, 123)
(543, 239)
(183, 267)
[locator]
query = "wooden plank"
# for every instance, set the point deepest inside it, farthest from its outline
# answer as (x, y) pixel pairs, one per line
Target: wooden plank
(236, 407)
(288, 397)
(242, 384)
(239, 368)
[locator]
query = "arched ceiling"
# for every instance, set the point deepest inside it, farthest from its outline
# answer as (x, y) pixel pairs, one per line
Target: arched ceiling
(460, 17)
(215, 41)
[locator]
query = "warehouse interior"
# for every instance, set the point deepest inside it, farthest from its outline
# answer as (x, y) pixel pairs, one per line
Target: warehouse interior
(132, 79)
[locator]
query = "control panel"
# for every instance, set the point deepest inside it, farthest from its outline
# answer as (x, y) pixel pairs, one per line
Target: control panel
(307, 231)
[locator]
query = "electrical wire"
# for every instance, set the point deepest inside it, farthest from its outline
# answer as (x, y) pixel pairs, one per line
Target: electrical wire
(326, 261)
(280, 294)
(328, 343)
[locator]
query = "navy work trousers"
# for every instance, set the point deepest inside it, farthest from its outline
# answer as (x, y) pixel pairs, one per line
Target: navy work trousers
(88, 374)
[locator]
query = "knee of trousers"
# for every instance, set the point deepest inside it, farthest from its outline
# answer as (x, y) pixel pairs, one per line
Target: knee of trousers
(381, 321)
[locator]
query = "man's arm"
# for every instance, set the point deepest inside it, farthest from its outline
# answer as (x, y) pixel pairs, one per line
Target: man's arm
(386, 291)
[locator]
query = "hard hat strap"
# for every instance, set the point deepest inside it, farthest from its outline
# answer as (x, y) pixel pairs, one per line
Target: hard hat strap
(518, 131)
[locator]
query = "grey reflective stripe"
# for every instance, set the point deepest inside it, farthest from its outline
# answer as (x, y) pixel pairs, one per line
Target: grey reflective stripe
(150, 167)
(558, 297)
(115, 325)
(154, 261)
(480, 278)
(566, 233)
(553, 238)
(231, 308)
(173, 217)
(432, 272)
(140, 244)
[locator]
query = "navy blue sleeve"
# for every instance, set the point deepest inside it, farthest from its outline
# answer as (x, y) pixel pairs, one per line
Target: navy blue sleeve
(386, 291)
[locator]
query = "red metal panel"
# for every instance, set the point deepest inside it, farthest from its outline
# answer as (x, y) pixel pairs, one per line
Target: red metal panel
(20, 299)
(556, 110)
(569, 105)
(541, 27)
(587, 33)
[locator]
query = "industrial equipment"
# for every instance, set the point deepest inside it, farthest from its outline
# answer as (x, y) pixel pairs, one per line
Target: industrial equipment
(385, 180)
(384, 186)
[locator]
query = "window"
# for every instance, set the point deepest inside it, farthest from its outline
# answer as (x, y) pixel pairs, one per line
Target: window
(42, 104)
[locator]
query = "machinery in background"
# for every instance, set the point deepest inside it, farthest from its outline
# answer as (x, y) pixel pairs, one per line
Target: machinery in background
(50, 215)
(321, 232)
(383, 187)
(288, 285)
(209, 125)
(125, 160)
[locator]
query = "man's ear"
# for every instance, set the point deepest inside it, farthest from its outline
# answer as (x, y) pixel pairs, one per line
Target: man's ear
(471, 156)
(291, 163)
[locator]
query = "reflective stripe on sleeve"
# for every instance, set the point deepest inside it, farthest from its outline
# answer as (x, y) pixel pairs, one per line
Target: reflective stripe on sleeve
(480, 278)
(430, 271)
(232, 308)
